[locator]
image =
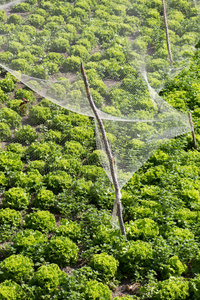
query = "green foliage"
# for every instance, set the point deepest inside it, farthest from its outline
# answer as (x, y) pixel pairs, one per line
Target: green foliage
(10, 290)
(195, 262)
(194, 287)
(136, 256)
(60, 122)
(32, 2)
(3, 97)
(81, 189)
(16, 148)
(30, 243)
(113, 52)
(15, 105)
(173, 288)
(3, 16)
(85, 43)
(57, 91)
(51, 68)
(31, 181)
(175, 267)
(71, 166)
(10, 161)
(63, 10)
(20, 64)
(60, 45)
(10, 217)
(3, 179)
(98, 99)
(15, 19)
(98, 85)
(53, 135)
(47, 279)
(43, 151)
(57, 181)
(44, 199)
(70, 229)
(72, 63)
(62, 250)
(96, 290)
(36, 20)
(46, 5)
(36, 165)
(126, 298)
(10, 221)
(110, 238)
(110, 68)
(183, 242)
(5, 133)
(82, 134)
(100, 194)
(74, 149)
(21, 7)
(16, 198)
(16, 267)
(10, 117)
(79, 120)
(15, 47)
(177, 99)
(142, 229)
(26, 135)
(94, 157)
(96, 56)
(80, 51)
(40, 220)
(39, 115)
(39, 72)
(79, 13)
(24, 93)
(106, 265)
(105, 35)
(161, 201)
(56, 58)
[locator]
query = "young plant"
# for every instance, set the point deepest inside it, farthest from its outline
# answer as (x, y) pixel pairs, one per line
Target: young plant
(16, 198)
(62, 251)
(45, 199)
(17, 268)
(70, 229)
(106, 266)
(11, 290)
(47, 280)
(31, 243)
(96, 290)
(40, 220)
(5, 133)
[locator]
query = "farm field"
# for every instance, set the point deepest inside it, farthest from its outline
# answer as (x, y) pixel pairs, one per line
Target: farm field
(57, 236)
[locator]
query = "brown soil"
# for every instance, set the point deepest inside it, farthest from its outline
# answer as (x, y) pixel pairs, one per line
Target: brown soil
(110, 83)
(126, 288)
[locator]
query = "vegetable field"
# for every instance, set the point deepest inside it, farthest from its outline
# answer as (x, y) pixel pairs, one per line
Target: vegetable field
(57, 238)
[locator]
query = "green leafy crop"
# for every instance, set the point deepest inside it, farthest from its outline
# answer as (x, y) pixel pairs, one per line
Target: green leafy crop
(40, 220)
(11, 290)
(106, 266)
(16, 198)
(62, 250)
(17, 268)
(97, 290)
